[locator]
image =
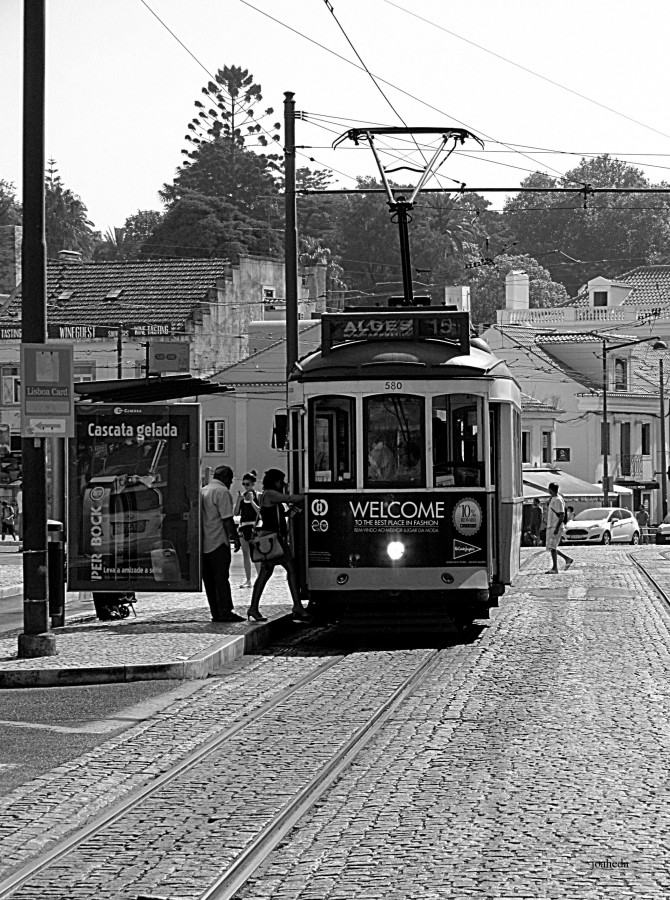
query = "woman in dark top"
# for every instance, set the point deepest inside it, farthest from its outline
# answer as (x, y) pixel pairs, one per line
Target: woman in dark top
(273, 519)
(246, 507)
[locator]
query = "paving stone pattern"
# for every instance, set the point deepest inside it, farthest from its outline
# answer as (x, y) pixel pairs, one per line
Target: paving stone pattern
(167, 628)
(37, 813)
(203, 820)
(540, 770)
(532, 763)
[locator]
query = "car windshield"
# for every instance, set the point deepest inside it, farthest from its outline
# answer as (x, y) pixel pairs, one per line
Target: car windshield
(592, 515)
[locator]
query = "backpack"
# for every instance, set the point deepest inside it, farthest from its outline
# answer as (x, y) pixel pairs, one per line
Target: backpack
(8, 513)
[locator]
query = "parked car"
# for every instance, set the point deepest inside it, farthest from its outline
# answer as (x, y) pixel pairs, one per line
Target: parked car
(663, 531)
(603, 525)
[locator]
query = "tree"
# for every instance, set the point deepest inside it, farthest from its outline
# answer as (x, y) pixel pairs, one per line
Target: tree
(488, 286)
(200, 226)
(614, 233)
(233, 100)
(66, 218)
(125, 243)
(229, 172)
(10, 210)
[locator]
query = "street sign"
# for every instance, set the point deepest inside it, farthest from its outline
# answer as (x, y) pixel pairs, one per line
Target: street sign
(169, 356)
(47, 390)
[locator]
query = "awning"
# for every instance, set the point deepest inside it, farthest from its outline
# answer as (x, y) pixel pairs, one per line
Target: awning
(536, 484)
(143, 390)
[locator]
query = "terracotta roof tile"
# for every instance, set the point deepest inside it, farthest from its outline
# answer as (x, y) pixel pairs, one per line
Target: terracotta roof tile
(151, 292)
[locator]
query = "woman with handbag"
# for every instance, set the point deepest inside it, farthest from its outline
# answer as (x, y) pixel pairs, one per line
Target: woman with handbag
(246, 507)
(273, 537)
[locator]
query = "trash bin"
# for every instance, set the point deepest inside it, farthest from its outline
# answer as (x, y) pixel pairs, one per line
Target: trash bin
(56, 572)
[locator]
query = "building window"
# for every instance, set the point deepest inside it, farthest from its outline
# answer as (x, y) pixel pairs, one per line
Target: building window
(600, 298)
(546, 447)
(11, 386)
(645, 439)
(268, 294)
(620, 375)
(525, 446)
(215, 436)
(83, 372)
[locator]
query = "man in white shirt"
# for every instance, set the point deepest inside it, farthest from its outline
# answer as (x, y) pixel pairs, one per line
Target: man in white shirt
(555, 520)
(218, 532)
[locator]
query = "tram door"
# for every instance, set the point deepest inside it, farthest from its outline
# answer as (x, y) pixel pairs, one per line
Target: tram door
(493, 496)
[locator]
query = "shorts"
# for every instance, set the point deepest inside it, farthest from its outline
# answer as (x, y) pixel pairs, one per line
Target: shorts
(553, 539)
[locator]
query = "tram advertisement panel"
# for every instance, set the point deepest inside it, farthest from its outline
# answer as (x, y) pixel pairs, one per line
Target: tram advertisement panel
(134, 494)
(435, 529)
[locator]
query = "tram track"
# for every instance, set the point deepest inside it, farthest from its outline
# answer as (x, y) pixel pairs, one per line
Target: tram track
(236, 871)
(663, 594)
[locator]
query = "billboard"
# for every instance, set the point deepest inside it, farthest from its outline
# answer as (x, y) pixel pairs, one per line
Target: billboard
(134, 498)
(442, 529)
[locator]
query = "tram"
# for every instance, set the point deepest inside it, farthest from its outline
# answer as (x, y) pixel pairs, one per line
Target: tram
(406, 442)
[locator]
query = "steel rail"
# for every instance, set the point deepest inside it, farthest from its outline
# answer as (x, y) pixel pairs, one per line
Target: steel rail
(659, 590)
(115, 812)
(227, 885)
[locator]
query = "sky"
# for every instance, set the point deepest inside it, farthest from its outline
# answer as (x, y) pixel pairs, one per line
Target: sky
(527, 77)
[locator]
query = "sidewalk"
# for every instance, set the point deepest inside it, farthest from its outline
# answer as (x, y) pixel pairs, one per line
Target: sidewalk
(172, 637)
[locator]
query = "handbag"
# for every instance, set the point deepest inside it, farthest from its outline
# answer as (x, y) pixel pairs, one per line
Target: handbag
(265, 546)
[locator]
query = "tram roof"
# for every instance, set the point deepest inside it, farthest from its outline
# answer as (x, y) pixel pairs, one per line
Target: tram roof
(424, 359)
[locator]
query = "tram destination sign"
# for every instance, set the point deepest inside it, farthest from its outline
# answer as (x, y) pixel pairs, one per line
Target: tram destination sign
(396, 325)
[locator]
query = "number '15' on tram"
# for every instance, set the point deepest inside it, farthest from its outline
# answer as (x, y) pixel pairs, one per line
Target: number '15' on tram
(410, 462)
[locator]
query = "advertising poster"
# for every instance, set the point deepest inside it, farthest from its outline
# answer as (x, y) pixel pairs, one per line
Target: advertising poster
(436, 529)
(134, 498)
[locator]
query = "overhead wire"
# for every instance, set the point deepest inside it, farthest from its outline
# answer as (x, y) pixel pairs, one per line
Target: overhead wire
(526, 69)
(383, 80)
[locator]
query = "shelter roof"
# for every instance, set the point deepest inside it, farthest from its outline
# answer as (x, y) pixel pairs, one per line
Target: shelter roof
(568, 485)
(143, 390)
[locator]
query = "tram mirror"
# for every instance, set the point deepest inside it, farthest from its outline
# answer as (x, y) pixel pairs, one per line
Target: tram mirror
(280, 431)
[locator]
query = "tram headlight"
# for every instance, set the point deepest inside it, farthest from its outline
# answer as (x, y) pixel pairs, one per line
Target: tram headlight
(342, 578)
(396, 550)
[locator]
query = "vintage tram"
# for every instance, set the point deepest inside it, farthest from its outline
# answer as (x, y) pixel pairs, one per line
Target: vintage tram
(406, 435)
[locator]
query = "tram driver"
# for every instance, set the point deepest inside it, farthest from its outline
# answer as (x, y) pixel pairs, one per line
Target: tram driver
(381, 461)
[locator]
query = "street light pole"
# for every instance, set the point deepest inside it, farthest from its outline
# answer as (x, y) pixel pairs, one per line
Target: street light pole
(605, 438)
(664, 474)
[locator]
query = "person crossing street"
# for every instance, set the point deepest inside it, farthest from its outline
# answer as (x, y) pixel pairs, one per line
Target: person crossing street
(555, 523)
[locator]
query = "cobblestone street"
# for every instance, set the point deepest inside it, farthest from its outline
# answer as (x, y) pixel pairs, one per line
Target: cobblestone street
(531, 763)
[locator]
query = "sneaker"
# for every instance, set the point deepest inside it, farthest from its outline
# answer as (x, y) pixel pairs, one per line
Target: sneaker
(228, 617)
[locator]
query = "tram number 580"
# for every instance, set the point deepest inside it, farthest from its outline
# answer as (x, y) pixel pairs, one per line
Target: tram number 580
(393, 386)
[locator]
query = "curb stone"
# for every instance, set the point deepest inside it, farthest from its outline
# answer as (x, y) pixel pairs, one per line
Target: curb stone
(200, 665)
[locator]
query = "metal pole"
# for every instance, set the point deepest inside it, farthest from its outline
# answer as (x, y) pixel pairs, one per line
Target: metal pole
(34, 641)
(401, 210)
(119, 351)
(664, 474)
(605, 438)
(291, 236)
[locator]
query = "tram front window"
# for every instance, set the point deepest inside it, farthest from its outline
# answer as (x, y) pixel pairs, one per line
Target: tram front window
(331, 446)
(457, 441)
(394, 441)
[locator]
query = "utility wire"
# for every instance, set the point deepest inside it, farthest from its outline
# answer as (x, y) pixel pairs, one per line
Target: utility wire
(529, 71)
(383, 80)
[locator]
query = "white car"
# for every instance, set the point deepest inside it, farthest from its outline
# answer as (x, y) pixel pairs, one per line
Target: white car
(603, 525)
(663, 531)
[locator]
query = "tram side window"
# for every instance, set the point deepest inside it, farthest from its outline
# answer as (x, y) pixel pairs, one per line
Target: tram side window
(332, 442)
(394, 441)
(457, 441)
